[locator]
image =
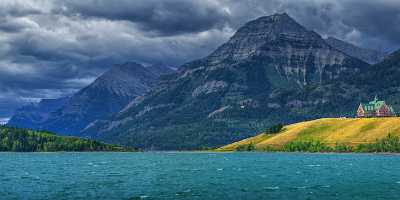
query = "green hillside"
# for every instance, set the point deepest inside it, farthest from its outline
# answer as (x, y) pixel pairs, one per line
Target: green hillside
(25, 140)
(328, 135)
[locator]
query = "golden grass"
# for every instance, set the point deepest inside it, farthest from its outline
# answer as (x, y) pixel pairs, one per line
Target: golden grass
(254, 140)
(330, 131)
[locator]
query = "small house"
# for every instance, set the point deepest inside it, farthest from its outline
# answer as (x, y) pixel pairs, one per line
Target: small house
(375, 108)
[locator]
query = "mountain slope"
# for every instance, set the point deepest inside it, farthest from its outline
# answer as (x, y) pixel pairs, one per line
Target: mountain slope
(348, 131)
(382, 79)
(368, 55)
(272, 65)
(331, 131)
(107, 95)
(29, 116)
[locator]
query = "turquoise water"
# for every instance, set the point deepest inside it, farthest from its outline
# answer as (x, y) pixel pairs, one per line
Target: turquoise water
(198, 176)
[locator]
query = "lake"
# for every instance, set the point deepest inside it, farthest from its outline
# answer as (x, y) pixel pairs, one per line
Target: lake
(174, 175)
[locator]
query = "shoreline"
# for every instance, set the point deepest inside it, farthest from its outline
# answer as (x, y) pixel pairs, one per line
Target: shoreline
(206, 152)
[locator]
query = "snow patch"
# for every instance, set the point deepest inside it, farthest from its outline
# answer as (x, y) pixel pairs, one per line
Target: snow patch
(220, 110)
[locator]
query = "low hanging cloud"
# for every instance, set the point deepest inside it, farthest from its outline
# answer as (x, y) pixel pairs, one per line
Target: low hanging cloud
(169, 17)
(52, 48)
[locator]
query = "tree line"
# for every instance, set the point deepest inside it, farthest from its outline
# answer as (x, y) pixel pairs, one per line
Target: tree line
(25, 140)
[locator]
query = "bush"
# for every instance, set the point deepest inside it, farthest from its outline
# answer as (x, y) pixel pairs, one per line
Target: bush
(306, 146)
(274, 129)
(388, 144)
(271, 149)
(341, 148)
(246, 147)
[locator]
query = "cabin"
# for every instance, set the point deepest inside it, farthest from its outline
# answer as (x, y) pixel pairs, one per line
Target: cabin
(375, 108)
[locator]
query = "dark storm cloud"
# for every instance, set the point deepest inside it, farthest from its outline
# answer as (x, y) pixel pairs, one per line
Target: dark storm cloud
(376, 20)
(17, 8)
(168, 17)
(47, 53)
(368, 23)
(52, 48)
(10, 25)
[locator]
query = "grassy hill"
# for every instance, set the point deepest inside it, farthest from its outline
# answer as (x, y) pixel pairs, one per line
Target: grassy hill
(25, 140)
(329, 132)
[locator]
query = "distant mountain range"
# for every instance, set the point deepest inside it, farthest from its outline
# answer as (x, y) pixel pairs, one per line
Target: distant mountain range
(272, 70)
(33, 114)
(107, 95)
(368, 55)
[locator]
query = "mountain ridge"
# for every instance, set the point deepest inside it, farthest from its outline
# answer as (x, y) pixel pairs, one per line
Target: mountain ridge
(110, 92)
(368, 55)
(32, 114)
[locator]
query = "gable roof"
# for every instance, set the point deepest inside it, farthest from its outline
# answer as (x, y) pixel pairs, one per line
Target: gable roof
(374, 105)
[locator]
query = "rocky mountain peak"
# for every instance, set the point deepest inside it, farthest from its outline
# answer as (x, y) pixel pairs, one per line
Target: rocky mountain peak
(127, 79)
(278, 23)
(254, 35)
(295, 53)
(128, 68)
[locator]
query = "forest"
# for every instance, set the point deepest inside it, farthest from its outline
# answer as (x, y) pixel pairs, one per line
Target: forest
(25, 140)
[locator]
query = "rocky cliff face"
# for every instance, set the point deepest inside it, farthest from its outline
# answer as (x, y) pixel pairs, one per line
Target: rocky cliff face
(367, 55)
(295, 51)
(105, 96)
(272, 70)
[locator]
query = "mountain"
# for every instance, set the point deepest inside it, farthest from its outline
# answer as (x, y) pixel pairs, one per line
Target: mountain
(272, 70)
(29, 116)
(368, 55)
(382, 79)
(105, 96)
(25, 140)
(330, 132)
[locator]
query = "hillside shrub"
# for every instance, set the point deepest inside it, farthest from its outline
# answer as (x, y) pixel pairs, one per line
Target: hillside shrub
(246, 147)
(306, 146)
(342, 148)
(389, 144)
(274, 129)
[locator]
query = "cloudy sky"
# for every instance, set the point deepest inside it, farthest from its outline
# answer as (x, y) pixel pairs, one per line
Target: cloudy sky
(51, 48)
